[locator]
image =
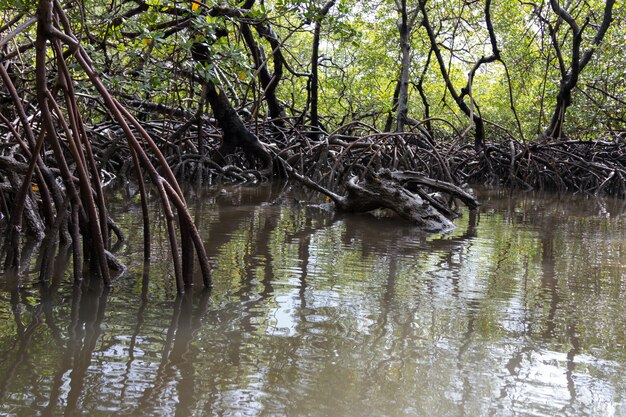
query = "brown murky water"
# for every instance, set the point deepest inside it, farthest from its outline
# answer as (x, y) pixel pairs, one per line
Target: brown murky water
(519, 311)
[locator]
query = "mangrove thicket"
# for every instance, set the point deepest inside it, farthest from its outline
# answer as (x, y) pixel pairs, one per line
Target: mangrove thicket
(394, 104)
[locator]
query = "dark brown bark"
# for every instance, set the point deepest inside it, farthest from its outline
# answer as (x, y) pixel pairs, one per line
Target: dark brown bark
(405, 27)
(420, 89)
(269, 82)
(579, 60)
(82, 143)
(92, 230)
(459, 98)
(236, 134)
(394, 107)
(168, 188)
(314, 77)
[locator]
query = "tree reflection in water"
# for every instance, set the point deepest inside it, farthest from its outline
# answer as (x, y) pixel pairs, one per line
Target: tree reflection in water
(313, 313)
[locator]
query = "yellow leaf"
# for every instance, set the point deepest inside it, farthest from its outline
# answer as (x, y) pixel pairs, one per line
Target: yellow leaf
(34, 187)
(147, 41)
(195, 6)
(242, 75)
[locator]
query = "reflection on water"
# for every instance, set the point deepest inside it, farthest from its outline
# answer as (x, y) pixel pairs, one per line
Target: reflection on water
(518, 311)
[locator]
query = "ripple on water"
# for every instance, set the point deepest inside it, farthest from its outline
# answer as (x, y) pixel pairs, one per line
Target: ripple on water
(519, 311)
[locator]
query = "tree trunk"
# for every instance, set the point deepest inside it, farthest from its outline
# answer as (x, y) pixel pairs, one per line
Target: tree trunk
(382, 191)
(387, 189)
(569, 77)
(422, 93)
(314, 79)
(563, 101)
(394, 108)
(236, 134)
(269, 82)
(479, 126)
(403, 83)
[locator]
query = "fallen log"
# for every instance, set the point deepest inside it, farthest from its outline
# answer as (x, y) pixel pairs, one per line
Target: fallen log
(381, 190)
(438, 185)
(385, 190)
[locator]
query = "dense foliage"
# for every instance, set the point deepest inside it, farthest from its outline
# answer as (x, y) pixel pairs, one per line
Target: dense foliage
(144, 50)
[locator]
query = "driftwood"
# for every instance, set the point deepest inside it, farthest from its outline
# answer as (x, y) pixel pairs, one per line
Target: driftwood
(381, 190)
(385, 190)
(409, 177)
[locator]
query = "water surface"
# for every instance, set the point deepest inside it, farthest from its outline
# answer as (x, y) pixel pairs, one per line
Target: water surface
(519, 311)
